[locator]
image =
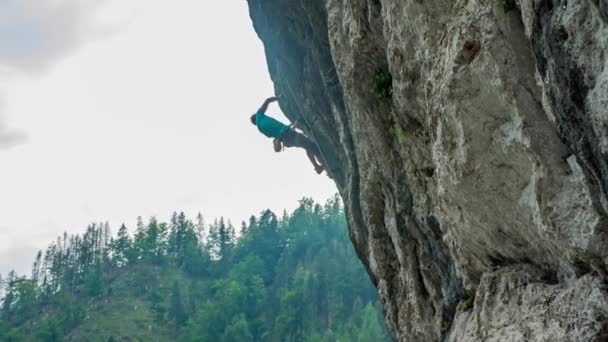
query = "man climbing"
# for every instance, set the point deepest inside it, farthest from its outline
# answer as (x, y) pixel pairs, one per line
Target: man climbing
(286, 135)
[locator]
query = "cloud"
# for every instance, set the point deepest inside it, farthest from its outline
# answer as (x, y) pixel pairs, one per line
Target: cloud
(35, 34)
(18, 257)
(10, 138)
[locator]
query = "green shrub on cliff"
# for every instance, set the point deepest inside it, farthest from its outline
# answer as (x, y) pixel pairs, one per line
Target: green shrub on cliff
(382, 84)
(508, 5)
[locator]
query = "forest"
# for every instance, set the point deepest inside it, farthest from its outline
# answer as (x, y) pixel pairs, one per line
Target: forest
(290, 278)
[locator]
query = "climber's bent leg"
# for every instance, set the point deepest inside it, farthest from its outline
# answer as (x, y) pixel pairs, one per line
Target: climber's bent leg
(313, 159)
(291, 138)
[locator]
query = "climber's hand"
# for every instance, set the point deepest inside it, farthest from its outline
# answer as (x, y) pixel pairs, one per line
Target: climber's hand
(266, 103)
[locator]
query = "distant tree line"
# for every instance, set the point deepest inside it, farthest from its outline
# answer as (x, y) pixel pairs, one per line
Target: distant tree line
(294, 278)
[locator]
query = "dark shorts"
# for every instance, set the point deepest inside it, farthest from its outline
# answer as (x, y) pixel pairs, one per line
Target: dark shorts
(292, 138)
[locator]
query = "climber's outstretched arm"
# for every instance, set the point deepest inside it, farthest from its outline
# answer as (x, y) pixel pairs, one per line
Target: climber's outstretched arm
(266, 103)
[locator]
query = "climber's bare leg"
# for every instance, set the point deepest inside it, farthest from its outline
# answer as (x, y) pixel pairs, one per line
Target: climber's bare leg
(296, 139)
(313, 159)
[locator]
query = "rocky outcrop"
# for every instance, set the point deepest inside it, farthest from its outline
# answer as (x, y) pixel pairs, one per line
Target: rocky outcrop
(476, 190)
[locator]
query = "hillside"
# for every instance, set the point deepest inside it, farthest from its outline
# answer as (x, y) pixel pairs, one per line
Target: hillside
(294, 278)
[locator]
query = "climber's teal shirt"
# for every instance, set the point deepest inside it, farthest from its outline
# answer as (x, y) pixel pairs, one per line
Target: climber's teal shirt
(270, 127)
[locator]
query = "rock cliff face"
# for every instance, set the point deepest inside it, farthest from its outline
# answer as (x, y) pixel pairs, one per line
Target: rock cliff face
(476, 191)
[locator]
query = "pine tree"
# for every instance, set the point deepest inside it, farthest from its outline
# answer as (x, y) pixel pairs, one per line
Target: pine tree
(226, 239)
(177, 313)
(291, 279)
(10, 297)
(122, 247)
(106, 238)
(36, 268)
(93, 281)
(372, 328)
(139, 239)
(237, 331)
(47, 281)
(153, 241)
(192, 257)
(221, 239)
(200, 229)
(184, 245)
(213, 241)
(243, 229)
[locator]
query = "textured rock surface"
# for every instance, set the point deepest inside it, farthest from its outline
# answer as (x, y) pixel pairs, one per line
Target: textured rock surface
(483, 180)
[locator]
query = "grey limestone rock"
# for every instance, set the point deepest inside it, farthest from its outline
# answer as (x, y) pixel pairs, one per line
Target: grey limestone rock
(476, 191)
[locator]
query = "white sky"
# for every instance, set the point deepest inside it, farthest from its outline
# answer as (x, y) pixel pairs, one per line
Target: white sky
(133, 107)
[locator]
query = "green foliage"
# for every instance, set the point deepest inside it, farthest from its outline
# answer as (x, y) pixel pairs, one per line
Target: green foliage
(14, 335)
(122, 247)
(382, 84)
(93, 282)
(177, 313)
(467, 301)
(291, 279)
(49, 331)
(508, 5)
(394, 129)
(237, 331)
